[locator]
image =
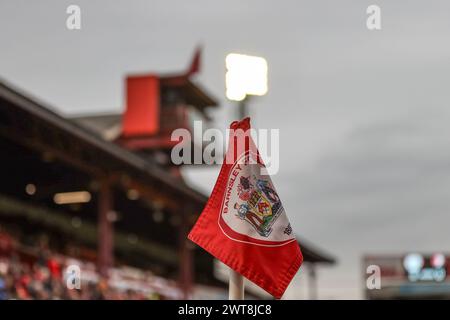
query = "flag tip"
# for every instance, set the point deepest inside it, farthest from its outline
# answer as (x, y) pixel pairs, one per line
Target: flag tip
(242, 124)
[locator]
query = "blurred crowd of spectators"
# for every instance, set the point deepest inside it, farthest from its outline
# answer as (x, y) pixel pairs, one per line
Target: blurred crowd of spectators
(43, 277)
(44, 280)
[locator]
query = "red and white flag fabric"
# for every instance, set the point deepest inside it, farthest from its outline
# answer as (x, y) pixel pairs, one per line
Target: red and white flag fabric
(244, 224)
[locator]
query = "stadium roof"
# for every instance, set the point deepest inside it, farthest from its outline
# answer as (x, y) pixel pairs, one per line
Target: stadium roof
(36, 118)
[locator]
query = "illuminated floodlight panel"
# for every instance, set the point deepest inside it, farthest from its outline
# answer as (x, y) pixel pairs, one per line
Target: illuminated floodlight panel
(246, 75)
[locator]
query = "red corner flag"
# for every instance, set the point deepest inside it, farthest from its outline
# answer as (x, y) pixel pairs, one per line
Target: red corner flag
(244, 224)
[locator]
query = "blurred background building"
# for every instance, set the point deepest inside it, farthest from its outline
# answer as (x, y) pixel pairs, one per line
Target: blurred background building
(409, 276)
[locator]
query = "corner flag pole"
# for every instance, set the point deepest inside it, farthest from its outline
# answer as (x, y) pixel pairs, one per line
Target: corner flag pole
(236, 281)
(236, 286)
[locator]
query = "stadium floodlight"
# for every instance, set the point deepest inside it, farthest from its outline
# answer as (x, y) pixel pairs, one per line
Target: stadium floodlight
(246, 75)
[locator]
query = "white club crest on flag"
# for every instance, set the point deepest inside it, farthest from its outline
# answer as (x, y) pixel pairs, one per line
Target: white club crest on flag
(252, 211)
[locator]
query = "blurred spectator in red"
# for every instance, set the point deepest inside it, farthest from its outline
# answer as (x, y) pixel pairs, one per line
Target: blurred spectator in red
(6, 243)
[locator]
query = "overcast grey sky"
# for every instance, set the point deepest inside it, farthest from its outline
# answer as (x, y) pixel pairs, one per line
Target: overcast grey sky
(363, 115)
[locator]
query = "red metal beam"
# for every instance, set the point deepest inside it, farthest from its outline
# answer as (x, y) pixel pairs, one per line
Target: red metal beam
(105, 228)
(186, 262)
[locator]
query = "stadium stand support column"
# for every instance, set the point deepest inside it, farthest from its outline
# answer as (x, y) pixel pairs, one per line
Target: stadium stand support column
(105, 229)
(312, 280)
(186, 268)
